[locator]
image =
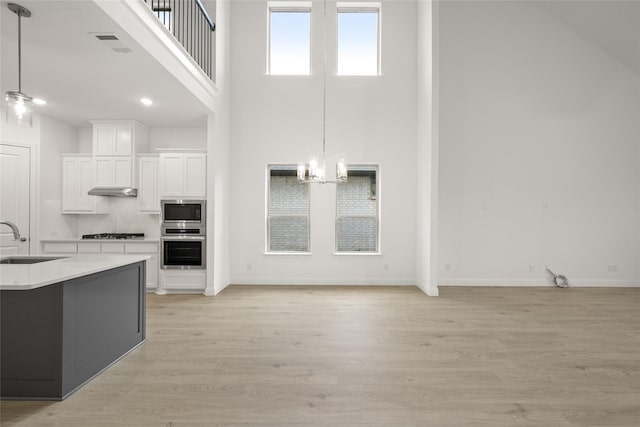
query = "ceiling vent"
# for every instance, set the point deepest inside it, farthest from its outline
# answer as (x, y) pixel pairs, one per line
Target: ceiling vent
(106, 37)
(112, 42)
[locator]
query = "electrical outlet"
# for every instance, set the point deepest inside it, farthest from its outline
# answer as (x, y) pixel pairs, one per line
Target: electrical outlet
(249, 266)
(612, 268)
(447, 267)
(531, 268)
(546, 206)
(386, 266)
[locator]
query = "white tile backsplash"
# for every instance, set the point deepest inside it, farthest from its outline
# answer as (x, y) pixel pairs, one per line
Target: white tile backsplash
(123, 218)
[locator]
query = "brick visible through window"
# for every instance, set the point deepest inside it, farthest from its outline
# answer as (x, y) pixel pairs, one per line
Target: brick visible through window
(288, 224)
(357, 210)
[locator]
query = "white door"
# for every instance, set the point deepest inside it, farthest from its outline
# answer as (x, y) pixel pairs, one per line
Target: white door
(14, 197)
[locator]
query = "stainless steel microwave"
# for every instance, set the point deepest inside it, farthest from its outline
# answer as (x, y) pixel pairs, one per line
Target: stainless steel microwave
(186, 213)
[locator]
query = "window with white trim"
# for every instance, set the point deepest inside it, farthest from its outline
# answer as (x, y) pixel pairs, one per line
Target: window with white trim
(289, 50)
(357, 210)
(288, 223)
(358, 38)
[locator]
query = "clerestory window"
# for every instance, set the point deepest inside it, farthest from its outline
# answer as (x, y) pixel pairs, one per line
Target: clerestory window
(289, 50)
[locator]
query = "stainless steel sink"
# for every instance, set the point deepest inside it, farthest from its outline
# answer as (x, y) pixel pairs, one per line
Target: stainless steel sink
(28, 259)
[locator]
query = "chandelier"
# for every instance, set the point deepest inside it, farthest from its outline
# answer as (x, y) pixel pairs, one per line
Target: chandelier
(19, 105)
(315, 170)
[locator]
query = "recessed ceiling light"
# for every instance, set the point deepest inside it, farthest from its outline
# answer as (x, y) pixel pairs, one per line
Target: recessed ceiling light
(39, 101)
(146, 101)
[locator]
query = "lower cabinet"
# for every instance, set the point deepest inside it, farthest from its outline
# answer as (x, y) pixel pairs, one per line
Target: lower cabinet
(182, 281)
(150, 249)
(83, 247)
(159, 280)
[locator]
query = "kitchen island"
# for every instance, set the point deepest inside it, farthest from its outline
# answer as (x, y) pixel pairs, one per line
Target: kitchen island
(64, 321)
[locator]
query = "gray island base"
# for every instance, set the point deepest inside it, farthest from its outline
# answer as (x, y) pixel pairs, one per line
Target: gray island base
(57, 337)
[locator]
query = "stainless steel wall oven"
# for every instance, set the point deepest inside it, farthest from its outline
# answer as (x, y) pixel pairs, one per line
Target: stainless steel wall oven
(183, 252)
(183, 242)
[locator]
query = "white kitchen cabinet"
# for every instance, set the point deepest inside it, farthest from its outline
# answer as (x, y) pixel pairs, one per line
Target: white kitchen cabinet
(113, 139)
(148, 194)
(114, 172)
(74, 247)
(119, 137)
(65, 248)
(89, 248)
(78, 177)
(113, 248)
(183, 175)
(195, 175)
(150, 249)
(182, 281)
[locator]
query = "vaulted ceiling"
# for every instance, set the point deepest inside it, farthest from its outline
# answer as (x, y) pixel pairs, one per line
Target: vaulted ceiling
(611, 25)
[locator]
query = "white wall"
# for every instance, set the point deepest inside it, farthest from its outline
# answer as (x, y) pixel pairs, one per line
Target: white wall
(218, 161)
(48, 138)
(56, 137)
(160, 138)
(533, 115)
(85, 140)
(427, 149)
(278, 119)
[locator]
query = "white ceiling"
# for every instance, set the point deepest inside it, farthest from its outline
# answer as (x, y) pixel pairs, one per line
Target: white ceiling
(611, 25)
(81, 77)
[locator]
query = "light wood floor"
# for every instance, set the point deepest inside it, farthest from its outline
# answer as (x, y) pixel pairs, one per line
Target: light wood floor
(376, 356)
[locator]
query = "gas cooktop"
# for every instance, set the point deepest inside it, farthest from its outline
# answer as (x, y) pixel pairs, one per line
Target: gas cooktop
(114, 236)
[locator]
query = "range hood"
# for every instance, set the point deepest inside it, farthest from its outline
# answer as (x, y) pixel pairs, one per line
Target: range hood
(114, 191)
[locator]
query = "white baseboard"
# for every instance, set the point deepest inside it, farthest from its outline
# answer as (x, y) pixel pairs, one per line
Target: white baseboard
(334, 281)
(577, 283)
(432, 291)
(180, 291)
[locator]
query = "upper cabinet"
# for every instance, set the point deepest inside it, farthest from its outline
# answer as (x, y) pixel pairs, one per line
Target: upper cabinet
(114, 145)
(114, 172)
(78, 177)
(148, 195)
(119, 137)
(183, 175)
(112, 140)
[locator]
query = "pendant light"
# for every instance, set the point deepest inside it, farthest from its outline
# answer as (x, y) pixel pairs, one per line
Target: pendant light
(19, 105)
(315, 170)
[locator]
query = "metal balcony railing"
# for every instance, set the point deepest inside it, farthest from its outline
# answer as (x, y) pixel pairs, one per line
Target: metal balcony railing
(191, 25)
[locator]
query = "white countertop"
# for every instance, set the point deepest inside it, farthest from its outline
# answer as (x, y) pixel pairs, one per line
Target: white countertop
(33, 276)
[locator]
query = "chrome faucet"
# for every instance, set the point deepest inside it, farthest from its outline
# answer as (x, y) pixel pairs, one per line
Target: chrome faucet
(14, 229)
